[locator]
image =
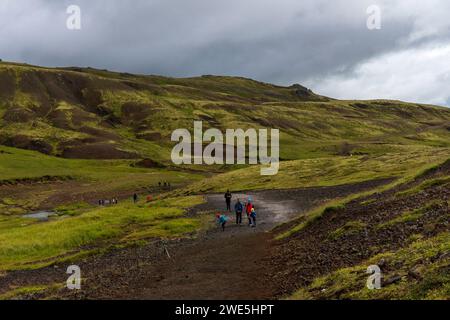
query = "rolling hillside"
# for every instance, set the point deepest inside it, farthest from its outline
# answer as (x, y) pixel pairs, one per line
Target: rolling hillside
(88, 113)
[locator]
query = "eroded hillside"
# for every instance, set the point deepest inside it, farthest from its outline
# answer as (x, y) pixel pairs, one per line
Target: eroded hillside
(88, 113)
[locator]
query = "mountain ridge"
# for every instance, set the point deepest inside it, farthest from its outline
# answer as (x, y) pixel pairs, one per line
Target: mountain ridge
(90, 113)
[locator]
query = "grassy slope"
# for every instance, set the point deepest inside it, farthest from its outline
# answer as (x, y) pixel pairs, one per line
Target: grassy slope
(422, 265)
(106, 178)
(350, 283)
(327, 171)
(22, 164)
(28, 244)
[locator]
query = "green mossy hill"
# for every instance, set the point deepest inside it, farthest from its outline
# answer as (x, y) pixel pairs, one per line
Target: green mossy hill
(89, 113)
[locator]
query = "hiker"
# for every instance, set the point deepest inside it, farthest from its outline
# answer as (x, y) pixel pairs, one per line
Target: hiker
(248, 210)
(115, 201)
(149, 198)
(135, 198)
(100, 202)
(238, 208)
(253, 217)
(228, 199)
(222, 220)
(159, 184)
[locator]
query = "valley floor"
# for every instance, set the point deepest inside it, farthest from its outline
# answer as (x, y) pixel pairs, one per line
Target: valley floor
(235, 264)
(310, 243)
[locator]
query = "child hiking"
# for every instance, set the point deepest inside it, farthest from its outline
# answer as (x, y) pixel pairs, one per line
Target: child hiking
(253, 217)
(222, 220)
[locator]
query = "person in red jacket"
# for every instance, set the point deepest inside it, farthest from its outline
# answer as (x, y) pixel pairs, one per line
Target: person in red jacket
(248, 210)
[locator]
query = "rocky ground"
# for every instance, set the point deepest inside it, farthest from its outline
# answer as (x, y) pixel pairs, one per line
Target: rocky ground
(347, 236)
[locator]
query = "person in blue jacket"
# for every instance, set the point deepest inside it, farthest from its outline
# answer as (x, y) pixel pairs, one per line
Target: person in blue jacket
(253, 217)
(222, 220)
(238, 208)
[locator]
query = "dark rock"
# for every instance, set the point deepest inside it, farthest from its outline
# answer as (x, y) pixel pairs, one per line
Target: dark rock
(148, 163)
(392, 280)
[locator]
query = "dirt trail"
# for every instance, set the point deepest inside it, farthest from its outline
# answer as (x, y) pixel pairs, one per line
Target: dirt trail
(234, 264)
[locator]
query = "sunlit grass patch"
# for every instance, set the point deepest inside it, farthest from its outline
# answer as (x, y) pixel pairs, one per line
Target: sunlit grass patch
(424, 185)
(349, 228)
(27, 291)
(24, 244)
(328, 171)
(335, 204)
(409, 216)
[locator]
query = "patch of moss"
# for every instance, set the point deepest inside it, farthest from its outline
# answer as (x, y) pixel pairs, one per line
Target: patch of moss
(422, 268)
(424, 185)
(409, 216)
(349, 228)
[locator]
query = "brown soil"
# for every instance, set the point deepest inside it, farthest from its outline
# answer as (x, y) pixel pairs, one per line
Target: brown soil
(312, 252)
(133, 112)
(97, 151)
(8, 87)
(215, 265)
(25, 142)
(148, 163)
(17, 114)
(50, 192)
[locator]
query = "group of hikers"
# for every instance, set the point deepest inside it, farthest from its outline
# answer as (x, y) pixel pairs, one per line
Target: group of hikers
(164, 185)
(107, 202)
(239, 209)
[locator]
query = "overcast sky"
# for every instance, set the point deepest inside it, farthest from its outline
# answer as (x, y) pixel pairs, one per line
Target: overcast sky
(324, 45)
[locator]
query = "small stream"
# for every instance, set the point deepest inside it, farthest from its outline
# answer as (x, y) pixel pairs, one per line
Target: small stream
(40, 215)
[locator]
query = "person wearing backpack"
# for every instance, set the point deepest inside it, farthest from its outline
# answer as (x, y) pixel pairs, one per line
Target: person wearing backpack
(238, 208)
(222, 220)
(253, 217)
(248, 210)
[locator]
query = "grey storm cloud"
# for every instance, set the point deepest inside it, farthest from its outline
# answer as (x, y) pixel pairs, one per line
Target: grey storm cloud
(323, 44)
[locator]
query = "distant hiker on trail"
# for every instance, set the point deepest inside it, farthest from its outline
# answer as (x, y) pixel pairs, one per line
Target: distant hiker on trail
(222, 220)
(253, 217)
(238, 208)
(228, 199)
(149, 198)
(248, 210)
(135, 198)
(159, 184)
